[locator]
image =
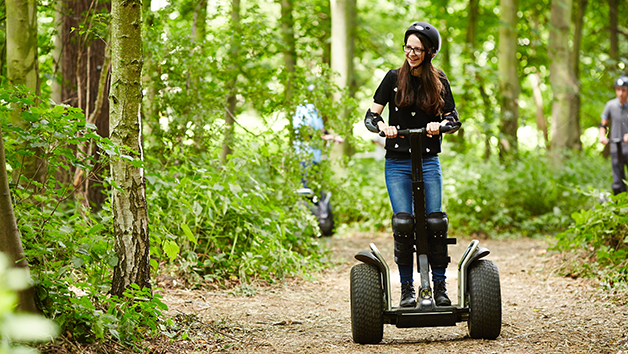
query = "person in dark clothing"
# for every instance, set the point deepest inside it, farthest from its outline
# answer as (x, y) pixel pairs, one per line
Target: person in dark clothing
(616, 111)
(418, 95)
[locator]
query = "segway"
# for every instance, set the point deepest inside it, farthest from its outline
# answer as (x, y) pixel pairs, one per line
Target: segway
(479, 294)
(321, 208)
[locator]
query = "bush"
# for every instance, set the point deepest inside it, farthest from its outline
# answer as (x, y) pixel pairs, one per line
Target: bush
(242, 220)
(599, 236)
(360, 196)
(529, 196)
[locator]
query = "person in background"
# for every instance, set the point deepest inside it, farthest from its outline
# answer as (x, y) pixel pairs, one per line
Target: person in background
(418, 95)
(308, 127)
(616, 112)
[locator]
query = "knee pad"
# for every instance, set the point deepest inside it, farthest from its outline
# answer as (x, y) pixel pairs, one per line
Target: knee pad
(403, 232)
(437, 226)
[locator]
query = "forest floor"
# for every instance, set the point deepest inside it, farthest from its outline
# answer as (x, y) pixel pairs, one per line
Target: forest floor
(542, 312)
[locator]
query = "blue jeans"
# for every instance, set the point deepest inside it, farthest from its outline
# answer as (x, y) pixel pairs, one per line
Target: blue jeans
(399, 184)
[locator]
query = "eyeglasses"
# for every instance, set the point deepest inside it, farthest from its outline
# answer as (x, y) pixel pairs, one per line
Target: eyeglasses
(417, 51)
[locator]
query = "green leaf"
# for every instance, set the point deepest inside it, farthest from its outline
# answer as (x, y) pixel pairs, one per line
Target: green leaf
(235, 189)
(154, 264)
(171, 249)
(77, 262)
(113, 261)
(188, 233)
(95, 229)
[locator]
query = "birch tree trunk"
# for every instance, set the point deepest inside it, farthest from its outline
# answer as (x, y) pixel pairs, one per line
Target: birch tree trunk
(151, 81)
(23, 69)
(508, 78)
(343, 24)
(565, 128)
(130, 219)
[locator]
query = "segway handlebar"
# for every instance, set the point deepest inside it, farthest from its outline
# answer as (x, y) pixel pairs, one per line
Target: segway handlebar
(421, 131)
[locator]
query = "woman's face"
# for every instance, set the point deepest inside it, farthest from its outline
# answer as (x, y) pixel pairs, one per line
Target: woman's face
(415, 52)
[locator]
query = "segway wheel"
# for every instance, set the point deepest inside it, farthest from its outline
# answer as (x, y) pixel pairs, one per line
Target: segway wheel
(485, 304)
(367, 304)
(327, 224)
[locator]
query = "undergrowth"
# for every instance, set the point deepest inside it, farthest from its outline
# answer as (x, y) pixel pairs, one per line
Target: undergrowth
(232, 223)
(598, 237)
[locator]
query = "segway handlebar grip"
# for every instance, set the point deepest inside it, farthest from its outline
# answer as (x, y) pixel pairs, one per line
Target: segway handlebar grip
(406, 132)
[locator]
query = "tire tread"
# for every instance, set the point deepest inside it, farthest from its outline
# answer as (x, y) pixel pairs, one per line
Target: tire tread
(485, 317)
(367, 304)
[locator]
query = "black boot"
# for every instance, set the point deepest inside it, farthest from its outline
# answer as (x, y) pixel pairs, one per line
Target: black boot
(408, 296)
(440, 294)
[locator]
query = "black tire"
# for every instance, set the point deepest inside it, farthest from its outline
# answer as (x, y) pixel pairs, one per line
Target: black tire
(327, 225)
(367, 304)
(485, 300)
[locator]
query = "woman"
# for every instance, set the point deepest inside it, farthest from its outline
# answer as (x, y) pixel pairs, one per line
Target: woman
(418, 96)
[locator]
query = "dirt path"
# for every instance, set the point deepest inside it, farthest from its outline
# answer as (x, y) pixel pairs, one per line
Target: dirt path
(542, 312)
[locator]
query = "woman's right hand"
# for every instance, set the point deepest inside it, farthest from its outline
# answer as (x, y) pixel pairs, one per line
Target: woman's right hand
(390, 131)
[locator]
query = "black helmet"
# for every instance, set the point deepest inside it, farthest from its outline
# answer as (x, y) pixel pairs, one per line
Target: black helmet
(621, 81)
(428, 31)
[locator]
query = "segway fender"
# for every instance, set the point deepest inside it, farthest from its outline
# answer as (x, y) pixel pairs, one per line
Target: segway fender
(375, 258)
(369, 258)
(481, 252)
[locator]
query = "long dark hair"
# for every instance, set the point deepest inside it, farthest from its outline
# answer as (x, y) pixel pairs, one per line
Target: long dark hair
(428, 95)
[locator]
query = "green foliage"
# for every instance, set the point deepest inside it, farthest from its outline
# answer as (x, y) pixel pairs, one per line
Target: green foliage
(19, 328)
(532, 195)
(599, 236)
(242, 220)
(360, 196)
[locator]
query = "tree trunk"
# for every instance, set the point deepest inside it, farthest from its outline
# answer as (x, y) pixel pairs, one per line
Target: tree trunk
(23, 69)
(289, 49)
(343, 29)
(537, 95)
(509, 79)
(614, 30)
(324, 39)
(83, 65)
(565, 128)
(10, 241)
(575, 68)
(199, 32)
(229, 135)
(56, 89)
(444, 56)
(474, 10)
(151, 80)
(130, 219)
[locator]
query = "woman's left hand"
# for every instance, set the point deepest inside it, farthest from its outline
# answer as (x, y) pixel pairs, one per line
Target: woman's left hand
(433, 128)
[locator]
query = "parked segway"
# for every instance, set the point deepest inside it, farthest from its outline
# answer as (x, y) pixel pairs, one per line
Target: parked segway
(479, 294)
(321, 208)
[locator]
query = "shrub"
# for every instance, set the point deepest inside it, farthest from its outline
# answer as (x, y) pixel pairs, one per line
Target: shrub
(599, 236)
(529, 196)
